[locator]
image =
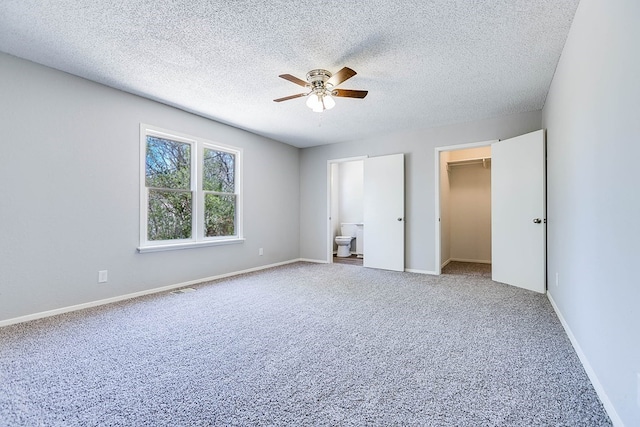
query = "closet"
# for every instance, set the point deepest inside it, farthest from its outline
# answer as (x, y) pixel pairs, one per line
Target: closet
(465, 205)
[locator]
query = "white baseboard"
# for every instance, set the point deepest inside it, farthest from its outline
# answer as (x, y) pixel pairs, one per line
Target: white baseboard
(477, 261)
(97, 303)
(316, 261)
(413, 270)
(444, 264)
(606, 402)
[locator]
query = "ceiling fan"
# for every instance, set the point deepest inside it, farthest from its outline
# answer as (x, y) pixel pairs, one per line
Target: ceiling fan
(321, 85)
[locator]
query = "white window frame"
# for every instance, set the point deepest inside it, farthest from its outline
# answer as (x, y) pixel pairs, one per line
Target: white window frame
(198, 239)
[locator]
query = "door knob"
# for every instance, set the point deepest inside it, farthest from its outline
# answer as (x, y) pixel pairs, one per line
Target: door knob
(537, 221)
(399, 219)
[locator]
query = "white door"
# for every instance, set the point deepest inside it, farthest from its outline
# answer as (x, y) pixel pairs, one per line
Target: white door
(518, 224)
(384, 212)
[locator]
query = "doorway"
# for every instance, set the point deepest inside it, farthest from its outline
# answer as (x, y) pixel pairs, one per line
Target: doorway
(346, 206)
(518, 220)
(382, 223)
(463, 209)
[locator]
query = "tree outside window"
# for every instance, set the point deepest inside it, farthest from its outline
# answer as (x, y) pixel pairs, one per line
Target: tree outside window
(218, 184)
(190, 191)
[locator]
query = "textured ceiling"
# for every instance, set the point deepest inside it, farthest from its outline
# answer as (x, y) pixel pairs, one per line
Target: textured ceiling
(424, 63)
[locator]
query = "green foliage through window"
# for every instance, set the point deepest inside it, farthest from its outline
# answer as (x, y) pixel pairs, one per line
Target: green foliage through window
(219, 215)
(171, 200)
(169, 215)
(168, 164)
(218, 172)
(218, 182)
(168, 167)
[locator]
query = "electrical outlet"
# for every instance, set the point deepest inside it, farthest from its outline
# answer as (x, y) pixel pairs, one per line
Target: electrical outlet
(557, 279)
(102, 276)
(260, 252)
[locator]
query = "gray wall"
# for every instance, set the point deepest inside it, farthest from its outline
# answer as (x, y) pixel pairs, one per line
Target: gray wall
(69, 193)
(592, 116)
(419, 147)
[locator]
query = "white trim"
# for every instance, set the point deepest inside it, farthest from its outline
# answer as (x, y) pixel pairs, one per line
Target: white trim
(188, 245)
(111, 300)
(412, 270)
(436, 156)
(444, 264)
(197, 238)
(606, 402)
(315, 261)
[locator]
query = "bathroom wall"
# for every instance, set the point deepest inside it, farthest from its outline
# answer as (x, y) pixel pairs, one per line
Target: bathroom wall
(351, 184)
(335, 203)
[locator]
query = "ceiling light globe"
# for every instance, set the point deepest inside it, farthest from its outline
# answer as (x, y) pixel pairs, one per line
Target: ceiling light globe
(313, 101)
(329, 103)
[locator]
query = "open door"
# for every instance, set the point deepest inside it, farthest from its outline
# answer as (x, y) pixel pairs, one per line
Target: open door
(518, 223)
(384, 212)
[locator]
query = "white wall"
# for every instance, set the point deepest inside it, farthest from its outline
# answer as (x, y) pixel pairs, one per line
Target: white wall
(69, 193)
(419, 147)
(351, 191)
(335, 204)
(592, 114)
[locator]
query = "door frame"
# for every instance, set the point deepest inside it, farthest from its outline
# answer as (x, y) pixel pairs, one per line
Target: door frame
(329, 238)
(438, 151)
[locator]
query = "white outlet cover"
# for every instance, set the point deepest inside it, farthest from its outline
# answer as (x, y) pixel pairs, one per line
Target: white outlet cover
(102, 276)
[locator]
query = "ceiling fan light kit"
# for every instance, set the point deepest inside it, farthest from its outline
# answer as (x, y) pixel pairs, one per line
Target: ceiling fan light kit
(321, 84)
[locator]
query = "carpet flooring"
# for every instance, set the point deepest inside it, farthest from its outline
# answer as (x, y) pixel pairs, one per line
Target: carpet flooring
(468, 269)
(303, 344)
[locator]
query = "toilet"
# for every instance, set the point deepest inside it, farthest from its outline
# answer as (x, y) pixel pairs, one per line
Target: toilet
(348, 233)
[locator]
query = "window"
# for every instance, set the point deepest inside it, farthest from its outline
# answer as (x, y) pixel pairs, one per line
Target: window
(190, 192)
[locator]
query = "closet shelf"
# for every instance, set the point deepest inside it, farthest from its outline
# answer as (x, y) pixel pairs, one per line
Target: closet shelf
(484, 161)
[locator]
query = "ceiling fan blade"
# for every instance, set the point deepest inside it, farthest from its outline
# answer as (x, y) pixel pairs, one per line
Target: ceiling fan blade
(294, 79)
(286, 98)
(348, 93)
(341, 76)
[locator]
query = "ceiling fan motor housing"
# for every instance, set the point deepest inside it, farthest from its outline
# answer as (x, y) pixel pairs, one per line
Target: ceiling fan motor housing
(317, 80)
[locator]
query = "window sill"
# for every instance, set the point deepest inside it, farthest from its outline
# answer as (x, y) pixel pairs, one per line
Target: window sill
(189, 245)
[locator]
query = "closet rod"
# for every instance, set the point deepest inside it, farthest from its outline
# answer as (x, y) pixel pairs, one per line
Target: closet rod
(481, 160)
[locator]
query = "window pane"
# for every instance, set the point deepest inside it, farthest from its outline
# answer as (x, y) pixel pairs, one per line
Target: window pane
(169, 215)
(218, 172)
(168, 164)
(219, 215)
